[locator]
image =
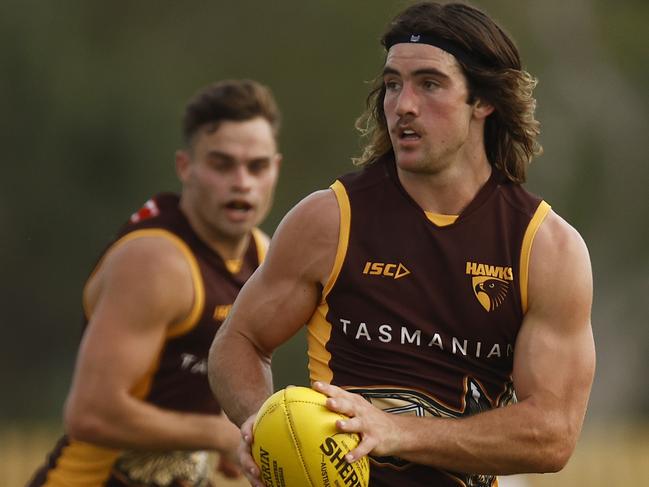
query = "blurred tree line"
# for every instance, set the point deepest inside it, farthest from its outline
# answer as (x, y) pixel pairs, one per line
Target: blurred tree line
(92, 94)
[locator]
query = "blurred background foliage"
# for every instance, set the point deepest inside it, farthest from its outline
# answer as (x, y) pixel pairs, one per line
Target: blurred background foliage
(92, 94)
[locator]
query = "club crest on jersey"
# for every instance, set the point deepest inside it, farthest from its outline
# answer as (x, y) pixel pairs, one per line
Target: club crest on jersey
(490, 283)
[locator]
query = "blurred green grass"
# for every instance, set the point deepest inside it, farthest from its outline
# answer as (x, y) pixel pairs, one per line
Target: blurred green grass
(607, 455)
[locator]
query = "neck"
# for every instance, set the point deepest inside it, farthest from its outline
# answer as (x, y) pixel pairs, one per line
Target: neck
(226, 246)
(449, 190)
(229, 250)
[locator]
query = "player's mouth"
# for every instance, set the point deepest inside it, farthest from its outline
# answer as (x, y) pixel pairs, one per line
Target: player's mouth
(238, 209)
(407, 136)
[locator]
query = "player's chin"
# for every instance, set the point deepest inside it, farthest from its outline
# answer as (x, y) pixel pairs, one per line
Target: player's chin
(415, 164)
(231, 234)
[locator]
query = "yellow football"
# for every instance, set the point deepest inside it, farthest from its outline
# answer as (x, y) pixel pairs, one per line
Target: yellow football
(296, 443)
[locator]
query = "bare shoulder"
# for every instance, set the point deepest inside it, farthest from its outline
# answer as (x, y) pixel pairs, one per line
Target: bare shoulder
(317, 213)
(306, 240)
(154, 257)
(559, 265)
(154, 270)
(559, 242)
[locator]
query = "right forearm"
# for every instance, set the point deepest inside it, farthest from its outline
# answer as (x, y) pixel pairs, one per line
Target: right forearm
(129, 423)
(240, 375)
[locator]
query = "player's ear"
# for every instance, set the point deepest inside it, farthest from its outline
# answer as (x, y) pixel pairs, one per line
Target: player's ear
(278, 160)
(183, 160)
(482, 108)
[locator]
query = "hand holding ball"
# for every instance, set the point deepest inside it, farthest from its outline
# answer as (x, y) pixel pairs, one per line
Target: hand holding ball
(296, 443)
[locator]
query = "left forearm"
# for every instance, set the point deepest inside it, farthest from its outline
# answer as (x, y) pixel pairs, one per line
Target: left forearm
(514, 439)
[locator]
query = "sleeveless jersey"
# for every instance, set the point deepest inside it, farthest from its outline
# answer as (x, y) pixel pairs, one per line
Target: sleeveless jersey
(421, 317)
(177, 380)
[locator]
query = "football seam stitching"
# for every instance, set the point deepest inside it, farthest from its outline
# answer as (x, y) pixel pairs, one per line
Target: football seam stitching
(294, 437)
(265, 413)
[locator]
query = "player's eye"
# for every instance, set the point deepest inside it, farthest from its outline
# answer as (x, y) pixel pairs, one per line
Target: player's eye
(259, 165)
(391, 85)
(221, 164)
(430, 84)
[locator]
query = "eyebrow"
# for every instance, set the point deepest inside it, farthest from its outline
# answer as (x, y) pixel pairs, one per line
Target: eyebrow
(220, 154)
(230, 158)
(417, 72)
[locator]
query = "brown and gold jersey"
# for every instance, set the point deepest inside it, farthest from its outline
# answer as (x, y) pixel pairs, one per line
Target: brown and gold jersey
(421, 312)
(177, 379)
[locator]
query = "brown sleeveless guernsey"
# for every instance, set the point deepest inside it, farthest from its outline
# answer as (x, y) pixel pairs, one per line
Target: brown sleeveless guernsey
(178, 378)
(421, 318)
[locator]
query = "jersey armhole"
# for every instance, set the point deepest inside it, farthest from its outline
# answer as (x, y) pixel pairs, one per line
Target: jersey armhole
(526, 249)
(199, 292)
(343, 235)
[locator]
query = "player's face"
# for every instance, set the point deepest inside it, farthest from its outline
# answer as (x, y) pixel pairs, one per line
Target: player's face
(425, 104)
(230, 176)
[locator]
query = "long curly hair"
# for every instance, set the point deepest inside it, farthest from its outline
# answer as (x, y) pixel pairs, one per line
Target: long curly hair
(511, 131)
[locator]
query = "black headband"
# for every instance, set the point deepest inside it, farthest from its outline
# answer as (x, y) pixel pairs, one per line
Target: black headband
(451, 47)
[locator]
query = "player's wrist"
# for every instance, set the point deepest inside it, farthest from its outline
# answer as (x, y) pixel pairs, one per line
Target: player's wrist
(224, 435)
(399, 431)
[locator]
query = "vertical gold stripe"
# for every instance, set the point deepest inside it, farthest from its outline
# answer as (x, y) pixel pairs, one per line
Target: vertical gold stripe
(261, 241)
(526, 249)
(318, 334)
(343, 235)
(318, 328)
(82, 464)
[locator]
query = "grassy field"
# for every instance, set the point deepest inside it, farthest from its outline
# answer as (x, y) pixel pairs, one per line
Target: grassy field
(24, 448)
(611, 456)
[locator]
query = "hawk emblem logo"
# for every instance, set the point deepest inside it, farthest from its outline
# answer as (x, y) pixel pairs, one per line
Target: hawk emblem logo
(490, 283)
(490, 291)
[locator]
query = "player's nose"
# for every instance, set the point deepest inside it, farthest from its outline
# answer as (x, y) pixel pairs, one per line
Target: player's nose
(406, 101)
(242, 180)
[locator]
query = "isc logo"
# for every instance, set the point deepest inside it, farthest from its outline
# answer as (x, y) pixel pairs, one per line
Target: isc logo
(394, 271)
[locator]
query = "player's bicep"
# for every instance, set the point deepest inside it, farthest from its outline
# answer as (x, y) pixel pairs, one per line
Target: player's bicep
(555, 357)
(283, 293)
(270, 309)
(141, 293)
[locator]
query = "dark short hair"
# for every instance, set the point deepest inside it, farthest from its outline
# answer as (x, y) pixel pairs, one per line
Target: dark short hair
(511, 131)
(229, 100)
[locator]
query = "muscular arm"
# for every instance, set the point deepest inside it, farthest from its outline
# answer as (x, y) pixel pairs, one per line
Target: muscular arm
(553, 371)
(141, 289)
(277, 300)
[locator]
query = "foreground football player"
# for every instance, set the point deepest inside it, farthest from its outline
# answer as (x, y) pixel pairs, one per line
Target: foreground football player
(435, 288)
